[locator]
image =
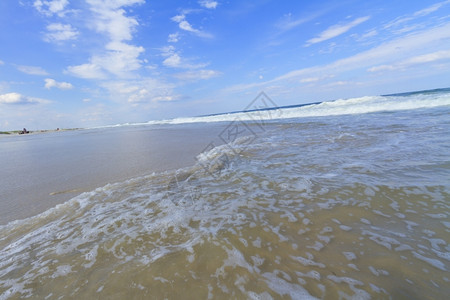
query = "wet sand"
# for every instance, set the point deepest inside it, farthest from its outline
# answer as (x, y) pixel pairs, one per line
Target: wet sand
(40, 171)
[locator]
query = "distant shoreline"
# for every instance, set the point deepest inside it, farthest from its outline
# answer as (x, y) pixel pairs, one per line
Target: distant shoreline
(247, 110)
(19, 132)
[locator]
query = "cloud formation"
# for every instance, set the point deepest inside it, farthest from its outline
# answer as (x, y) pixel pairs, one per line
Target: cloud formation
(19, 99)
(390, 51)
(51, 7)
(119, 58)
(431, 9)
(57, 32)
(379, 55)
(50, 83)
(186, 26)
(147, 90)
(173, 37)
(197, 75)
(336, 30)
(418, 14)
(208, 4)
(174, 60)
(87, 71)
(416, 60)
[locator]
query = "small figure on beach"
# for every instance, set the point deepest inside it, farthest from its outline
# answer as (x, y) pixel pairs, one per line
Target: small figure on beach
(24, 131)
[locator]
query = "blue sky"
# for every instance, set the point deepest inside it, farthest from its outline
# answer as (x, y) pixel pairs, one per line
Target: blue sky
(83, 63)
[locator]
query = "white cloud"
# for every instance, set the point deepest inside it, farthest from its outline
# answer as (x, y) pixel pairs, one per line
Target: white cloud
(309, 79)
(382, 68)
(87, 71)
(51, 7)
(208, 4)
(118, 57)
(197, 75)
(421, 13)
(336, 30)
(60, 32)
(185, 25)
(19, 99)
(49, 83)
(110, 18)
(430, 9)
(1, 62)
(168, 50)
(392, 51)
(178, 18)
(416, 60)
(140, 91)
(173, 37)
(430, 57)
(173, 61)
(369, 34)
(32, 70)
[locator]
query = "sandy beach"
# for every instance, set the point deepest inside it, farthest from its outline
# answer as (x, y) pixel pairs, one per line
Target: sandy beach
(43, 169)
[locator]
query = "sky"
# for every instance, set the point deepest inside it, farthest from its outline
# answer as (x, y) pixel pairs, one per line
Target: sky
(87, 63)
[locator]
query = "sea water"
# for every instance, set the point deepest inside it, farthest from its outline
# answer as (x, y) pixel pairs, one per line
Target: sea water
(346, 199)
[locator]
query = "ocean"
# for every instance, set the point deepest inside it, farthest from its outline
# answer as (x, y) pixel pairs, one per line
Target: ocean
(346, 199)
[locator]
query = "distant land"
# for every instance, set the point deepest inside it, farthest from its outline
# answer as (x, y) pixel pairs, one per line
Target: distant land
(17, 132)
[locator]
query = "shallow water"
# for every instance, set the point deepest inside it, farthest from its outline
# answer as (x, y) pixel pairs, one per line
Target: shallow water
(348, 206)
(40, 171)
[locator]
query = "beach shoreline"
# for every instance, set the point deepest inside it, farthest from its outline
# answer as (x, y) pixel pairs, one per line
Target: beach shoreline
(38, 131)
(44, 169)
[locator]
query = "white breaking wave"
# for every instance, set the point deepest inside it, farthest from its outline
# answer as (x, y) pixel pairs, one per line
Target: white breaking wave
(361, 105)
